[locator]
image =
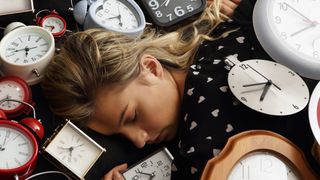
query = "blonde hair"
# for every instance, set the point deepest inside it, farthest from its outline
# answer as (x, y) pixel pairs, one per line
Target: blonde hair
(95, 58)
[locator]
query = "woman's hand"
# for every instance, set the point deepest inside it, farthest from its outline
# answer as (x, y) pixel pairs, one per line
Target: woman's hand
(115, 173)
(227, 6)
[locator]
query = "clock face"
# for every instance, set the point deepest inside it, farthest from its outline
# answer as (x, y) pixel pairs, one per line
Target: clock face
(168, 12)
(75, 150)
(54, 24)
(288, 31)
(118, 15)
(262, 165)
(25, 48)
(156, 167)
(268, 87)
(314, 112)
(16, 147)
(10, 89)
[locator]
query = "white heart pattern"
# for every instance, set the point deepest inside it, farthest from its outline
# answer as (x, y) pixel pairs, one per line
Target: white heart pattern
(193, 170)
(209, 79)
(202, 58)
(193, 125)
(209, 138)
(190, 91)
(215, 113)
(195, 72)
(224, 88)
(191, 150)
(193, 67)
(216, 151)
(216, 61)
(240, 39)
(185, 117)
(220, 47)
(229, 128)
(201, 99)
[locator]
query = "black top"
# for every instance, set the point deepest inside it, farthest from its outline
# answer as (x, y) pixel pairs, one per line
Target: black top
(210, 112)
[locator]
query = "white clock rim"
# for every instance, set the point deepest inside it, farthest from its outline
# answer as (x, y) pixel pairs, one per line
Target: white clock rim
(33, 29)
(261, 22)
(136, 7)
(312, 112)
(33, 157)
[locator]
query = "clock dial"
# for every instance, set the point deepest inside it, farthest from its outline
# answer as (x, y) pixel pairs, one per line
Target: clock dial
(118, 15)
(53, 24)
(261, 165)
(156, 167)
(314, 112)
(75, 150)
(11, 90)
(16, 148)
(288, 31)
(166, 11)
(298, 24)
(26, 48)
(268, 87)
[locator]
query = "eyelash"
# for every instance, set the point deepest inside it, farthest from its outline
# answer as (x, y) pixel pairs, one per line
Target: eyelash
(134, 117)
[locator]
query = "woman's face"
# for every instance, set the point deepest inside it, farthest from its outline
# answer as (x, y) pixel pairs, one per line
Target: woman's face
(145, 110)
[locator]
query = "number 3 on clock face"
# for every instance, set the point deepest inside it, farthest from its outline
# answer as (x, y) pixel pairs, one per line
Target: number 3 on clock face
(166, 13)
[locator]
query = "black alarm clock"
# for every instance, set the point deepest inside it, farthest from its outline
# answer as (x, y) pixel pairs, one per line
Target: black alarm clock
(167, 13)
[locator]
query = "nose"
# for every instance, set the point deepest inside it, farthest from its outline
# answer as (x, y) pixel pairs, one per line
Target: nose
(139, 137)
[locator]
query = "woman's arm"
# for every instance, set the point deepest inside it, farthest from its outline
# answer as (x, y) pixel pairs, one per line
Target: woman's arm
(115, 173)
(227, 6)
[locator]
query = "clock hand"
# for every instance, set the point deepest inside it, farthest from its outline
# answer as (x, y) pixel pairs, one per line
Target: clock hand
(305, 17)
(263, 76)
(265, 90)
(254, 84)
(119, 17)
(148, 174)
(165, 3)
(303, 29)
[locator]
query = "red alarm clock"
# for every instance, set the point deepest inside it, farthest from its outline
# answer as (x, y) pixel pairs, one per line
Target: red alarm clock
(52, 22)
(13, 87)
(314, 112)
(18, 146)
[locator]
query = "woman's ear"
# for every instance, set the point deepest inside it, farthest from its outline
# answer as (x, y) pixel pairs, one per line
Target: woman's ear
(150, 64)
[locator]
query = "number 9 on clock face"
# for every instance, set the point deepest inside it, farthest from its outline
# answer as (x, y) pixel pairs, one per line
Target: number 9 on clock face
(165, 13)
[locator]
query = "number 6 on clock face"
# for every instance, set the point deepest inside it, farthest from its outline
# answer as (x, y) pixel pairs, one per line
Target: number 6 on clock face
(165, 13)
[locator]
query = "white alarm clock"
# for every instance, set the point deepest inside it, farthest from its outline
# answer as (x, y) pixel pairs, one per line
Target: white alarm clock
(25, 52)
(289, 33)
(124, 16)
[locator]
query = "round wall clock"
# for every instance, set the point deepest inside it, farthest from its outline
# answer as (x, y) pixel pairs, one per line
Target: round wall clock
(26, 52)
(13, 87)
(268, 87)
(314, 112)
(165, 13)
(289, 33)
(156, 166)
(259, 154)
(70, 149)
(53, 22)
(124, 16)
(18, 147)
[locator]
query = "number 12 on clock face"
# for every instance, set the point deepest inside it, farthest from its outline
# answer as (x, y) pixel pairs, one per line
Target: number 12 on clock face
(166, 13)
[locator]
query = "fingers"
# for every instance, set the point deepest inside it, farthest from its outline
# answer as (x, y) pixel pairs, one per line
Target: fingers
(115, 173)
(228, 6)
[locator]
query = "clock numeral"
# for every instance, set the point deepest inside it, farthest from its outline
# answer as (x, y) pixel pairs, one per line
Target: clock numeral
(154, 4)
(243, 66)
(295, 106)
(283, 6)
(265, 165)
(179, 11)
(292, 73)
(144, 165)
(190, 8)
(244, 99)
(160, 163)
(135, 177)
(278, 19)
(14, 44)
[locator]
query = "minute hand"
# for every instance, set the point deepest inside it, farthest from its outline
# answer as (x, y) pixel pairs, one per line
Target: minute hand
(298, 12)
(263, 76)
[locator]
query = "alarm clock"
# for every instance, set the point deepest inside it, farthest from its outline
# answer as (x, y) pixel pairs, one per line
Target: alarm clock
(52, 22)
(13, 87)
(259, 154)
(156, 166)
(26, 52)
(314, 112)
(165, 13)
(18, 146)
(268, 87)
(289, 33)
(123, 16)
(71, 150)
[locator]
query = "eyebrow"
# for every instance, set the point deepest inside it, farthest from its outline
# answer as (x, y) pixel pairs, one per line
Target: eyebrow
(123, 112)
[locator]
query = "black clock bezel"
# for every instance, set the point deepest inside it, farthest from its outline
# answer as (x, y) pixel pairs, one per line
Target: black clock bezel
(155, 20)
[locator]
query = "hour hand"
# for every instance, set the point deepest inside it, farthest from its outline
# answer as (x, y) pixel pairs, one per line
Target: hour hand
(254, 84)
(265, 90)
